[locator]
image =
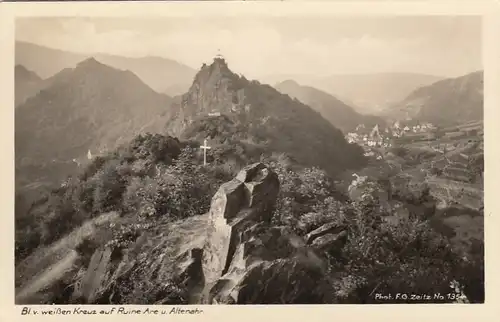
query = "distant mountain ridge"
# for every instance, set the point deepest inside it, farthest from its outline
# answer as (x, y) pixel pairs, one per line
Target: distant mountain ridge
(91, 107)
(263, 116)
(366, 93)
(449, 101)
(27, 84)
(332, 109)
(159, 73)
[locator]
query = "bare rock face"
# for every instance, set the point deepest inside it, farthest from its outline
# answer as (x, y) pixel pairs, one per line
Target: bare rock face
(281, 281)
(94, 276)
(248, 198)
(246, 259)
(163, 265)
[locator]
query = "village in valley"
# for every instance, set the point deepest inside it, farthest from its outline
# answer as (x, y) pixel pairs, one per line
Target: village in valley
(375, 137)
(446, 158)
(442, 140)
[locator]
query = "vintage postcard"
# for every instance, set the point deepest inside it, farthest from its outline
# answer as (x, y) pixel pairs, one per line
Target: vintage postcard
(188, 158)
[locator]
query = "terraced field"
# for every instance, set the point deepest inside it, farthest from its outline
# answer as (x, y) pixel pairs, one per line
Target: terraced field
(450, 167)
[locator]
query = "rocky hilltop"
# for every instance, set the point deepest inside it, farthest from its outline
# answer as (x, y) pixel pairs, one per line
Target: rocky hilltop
(233, 254)
(249, 261)
(261, 116)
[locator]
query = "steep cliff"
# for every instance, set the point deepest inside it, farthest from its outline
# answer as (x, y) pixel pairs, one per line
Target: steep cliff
(261, 115)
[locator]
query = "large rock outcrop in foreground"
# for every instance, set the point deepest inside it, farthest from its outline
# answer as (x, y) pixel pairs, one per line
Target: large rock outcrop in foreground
(249, 261)
(233, 254)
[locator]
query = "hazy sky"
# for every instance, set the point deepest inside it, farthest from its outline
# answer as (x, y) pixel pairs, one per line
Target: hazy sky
(257, 47)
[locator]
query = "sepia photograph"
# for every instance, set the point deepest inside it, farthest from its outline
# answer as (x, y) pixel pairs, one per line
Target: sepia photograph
(249, 160)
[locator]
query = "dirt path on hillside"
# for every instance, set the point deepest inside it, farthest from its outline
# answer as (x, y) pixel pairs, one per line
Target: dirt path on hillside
(49, 276)
(48, 264)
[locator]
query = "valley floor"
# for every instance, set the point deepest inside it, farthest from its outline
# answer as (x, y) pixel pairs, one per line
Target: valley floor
(459, 195)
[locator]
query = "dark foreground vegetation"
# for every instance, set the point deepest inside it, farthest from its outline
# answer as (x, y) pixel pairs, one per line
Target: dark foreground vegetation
(157, 179)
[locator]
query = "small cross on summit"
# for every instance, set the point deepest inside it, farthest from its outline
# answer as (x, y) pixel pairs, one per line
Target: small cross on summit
(219, 55)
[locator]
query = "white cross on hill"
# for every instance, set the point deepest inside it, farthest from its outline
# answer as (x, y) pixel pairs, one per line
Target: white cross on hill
(205, 147)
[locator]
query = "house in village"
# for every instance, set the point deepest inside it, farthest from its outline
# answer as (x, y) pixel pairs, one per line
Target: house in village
(352, 137)
(375, 132)
(360, 127)
(427, 126)
(436, 148)
(375, 137)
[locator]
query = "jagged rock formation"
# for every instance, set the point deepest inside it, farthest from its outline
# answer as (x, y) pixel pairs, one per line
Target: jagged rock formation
(233, 207)
(233, 254)
(94, 274)
(248, 261)
(162, 266)
(261, 116)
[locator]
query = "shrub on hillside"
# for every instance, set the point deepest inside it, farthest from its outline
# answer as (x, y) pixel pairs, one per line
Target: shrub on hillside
(27, 237)
(109, 187)
(155, 147)
(302, 191)
(150, 176)
(380, 256)
(91, 169)
(142, 196)
(400, 256)
(409, 191)
(400, 151)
